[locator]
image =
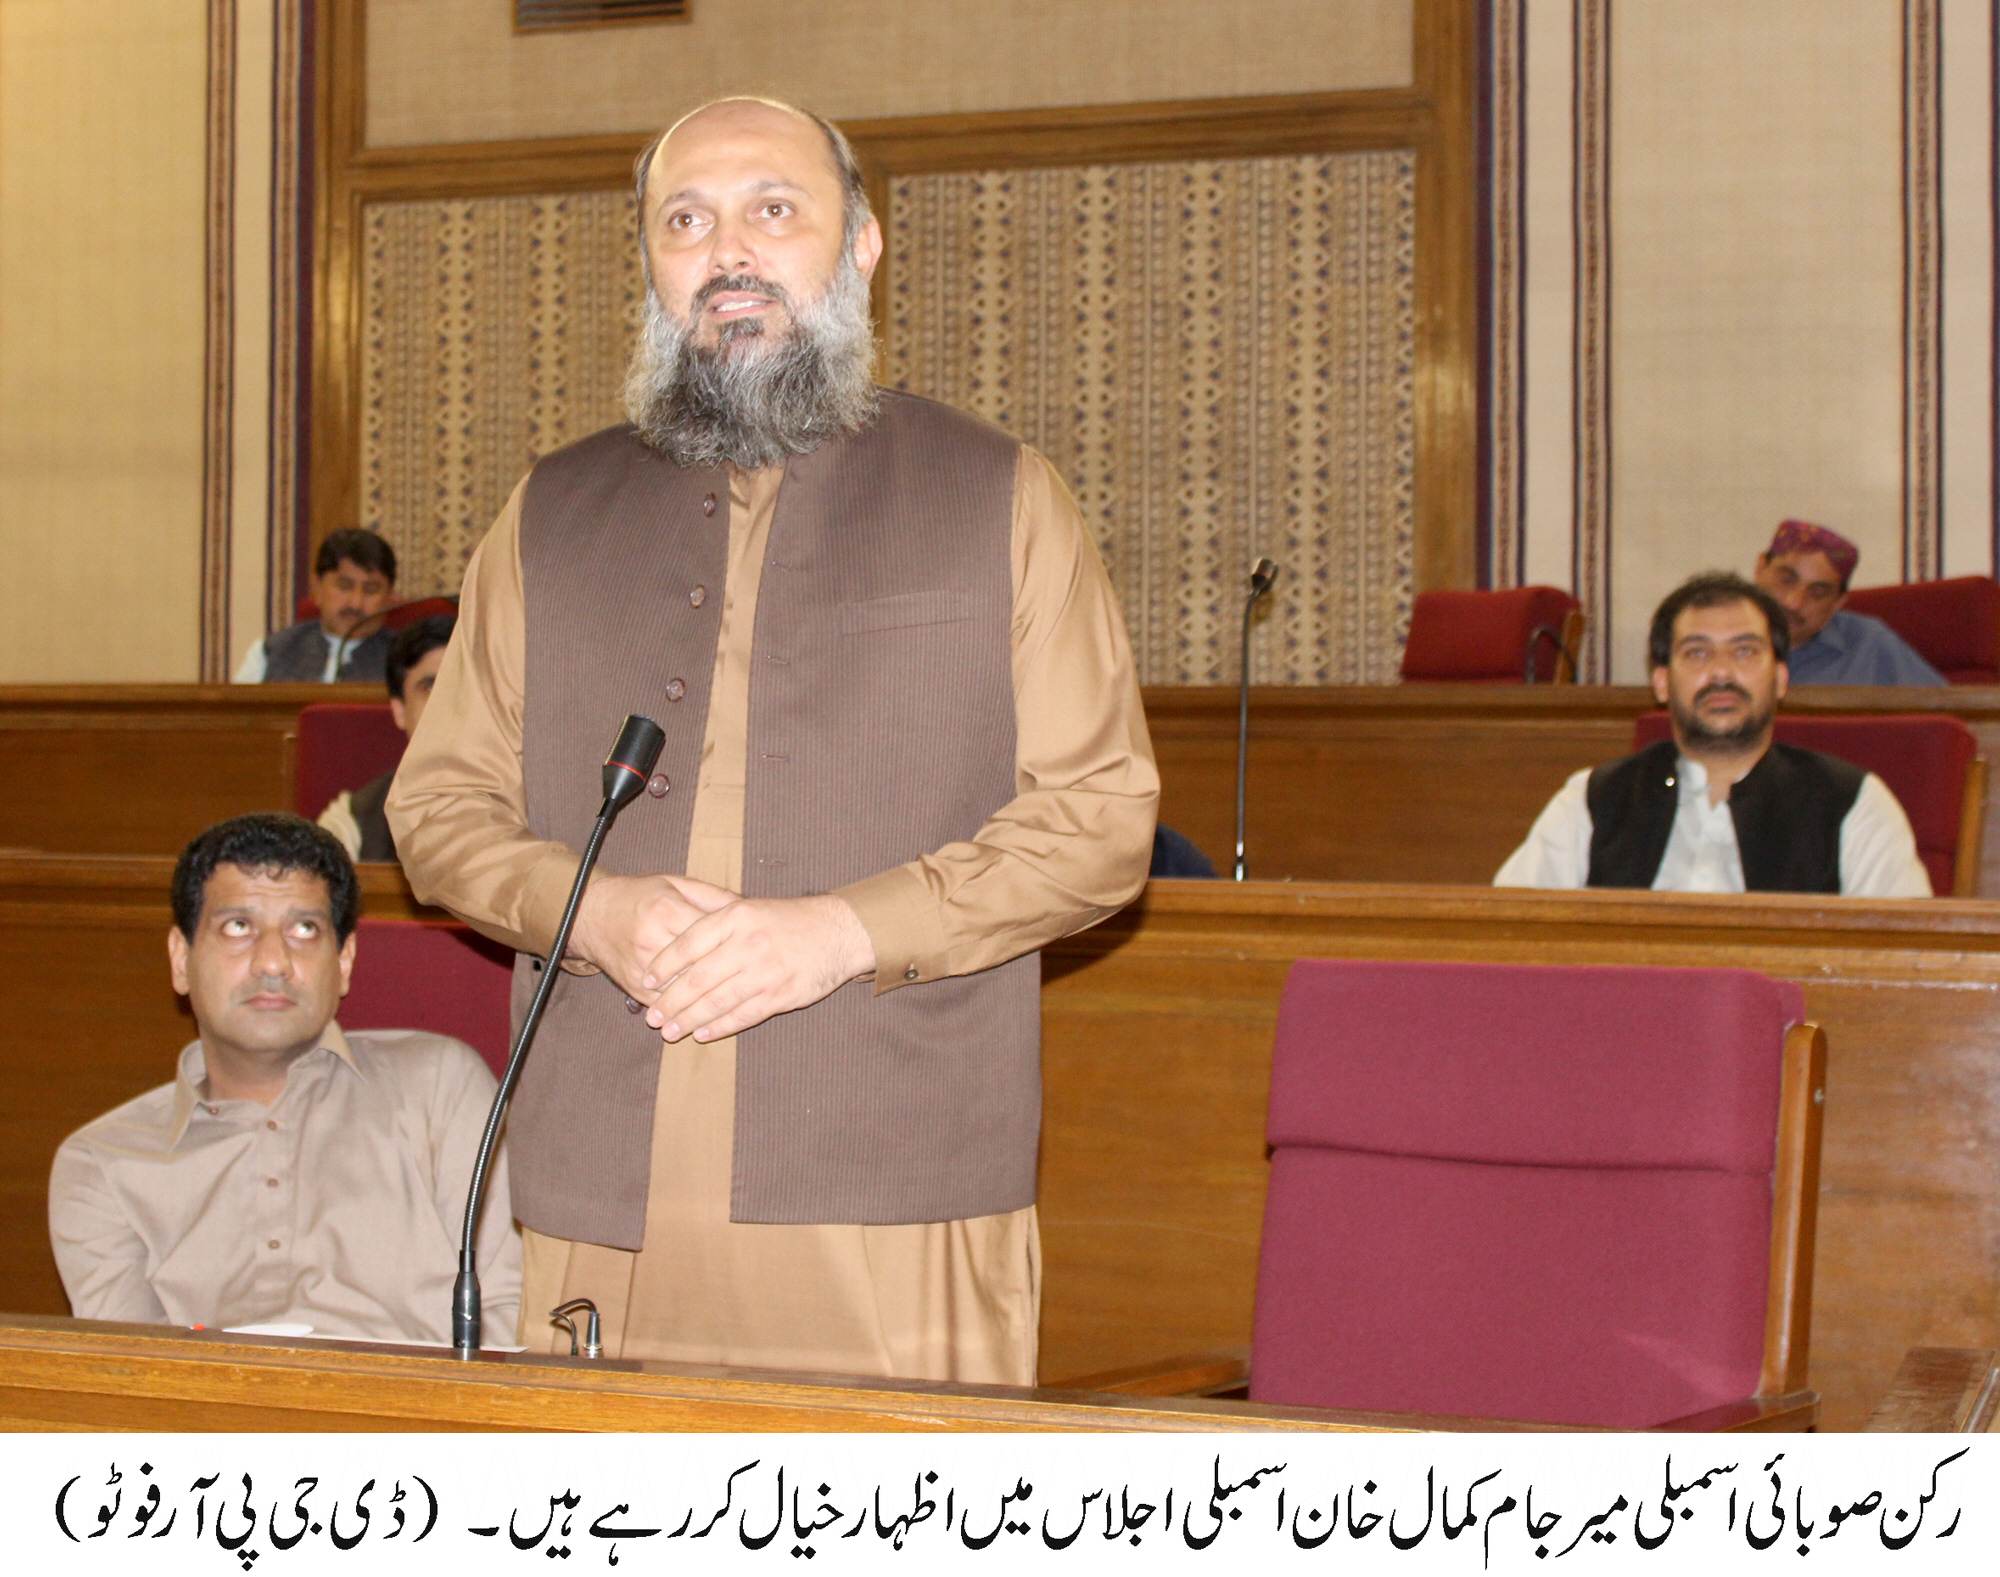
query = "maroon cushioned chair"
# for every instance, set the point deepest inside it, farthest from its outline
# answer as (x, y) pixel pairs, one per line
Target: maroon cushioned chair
(1578, 1196)
(1954, 624)
(1527, 635)
(441, 977)
(342, 745)
(1931, 764)
(400, 617)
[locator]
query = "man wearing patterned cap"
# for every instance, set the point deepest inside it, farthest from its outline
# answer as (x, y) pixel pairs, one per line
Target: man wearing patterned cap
(1807, 568)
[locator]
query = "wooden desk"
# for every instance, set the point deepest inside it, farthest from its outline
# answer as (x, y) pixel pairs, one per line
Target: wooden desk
(66, 1374)
(1157, 1032)
(140, 769)
(1392, 783)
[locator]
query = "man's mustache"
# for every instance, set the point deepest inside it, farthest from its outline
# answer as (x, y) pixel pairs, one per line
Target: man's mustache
(1721, 687)
(748, 283)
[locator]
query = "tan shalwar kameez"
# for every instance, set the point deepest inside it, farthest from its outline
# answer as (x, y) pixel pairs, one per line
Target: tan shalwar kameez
(953, 1300)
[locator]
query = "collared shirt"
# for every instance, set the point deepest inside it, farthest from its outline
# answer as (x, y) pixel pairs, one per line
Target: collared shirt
(1878, 852)
(337, 1206)
(1070, 849)
(1854, 648)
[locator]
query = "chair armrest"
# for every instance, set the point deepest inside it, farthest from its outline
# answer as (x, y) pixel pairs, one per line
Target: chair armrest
(1191, 1374)
(1939, 1390)
(1795, 1410)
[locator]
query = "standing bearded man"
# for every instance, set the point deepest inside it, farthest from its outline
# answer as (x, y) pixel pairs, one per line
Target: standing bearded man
(794, 1122)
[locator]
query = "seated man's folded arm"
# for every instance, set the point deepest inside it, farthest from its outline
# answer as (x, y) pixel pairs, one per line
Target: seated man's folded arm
(1878, 851)
(461, 1100)
(457, 809)
(1073, 845)
(100, 1255)
(1557, 852)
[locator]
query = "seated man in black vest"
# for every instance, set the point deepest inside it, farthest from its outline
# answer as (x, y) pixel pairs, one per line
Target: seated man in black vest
(355, 817)
(354, 583)
(1722, 809)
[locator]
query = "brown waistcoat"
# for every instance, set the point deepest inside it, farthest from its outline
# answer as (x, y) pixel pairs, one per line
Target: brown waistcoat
(881, 726)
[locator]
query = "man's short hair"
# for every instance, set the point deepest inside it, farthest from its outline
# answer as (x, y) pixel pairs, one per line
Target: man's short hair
(363, 549)
(855, 210)
(273, 844)
(1712, 590)
(411, 646)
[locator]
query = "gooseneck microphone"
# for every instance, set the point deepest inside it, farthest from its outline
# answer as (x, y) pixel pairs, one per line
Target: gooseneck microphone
(626, 770)
(1263, 575)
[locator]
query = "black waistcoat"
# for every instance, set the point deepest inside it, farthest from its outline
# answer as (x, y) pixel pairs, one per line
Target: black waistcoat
(297, 655)
(1787, 809)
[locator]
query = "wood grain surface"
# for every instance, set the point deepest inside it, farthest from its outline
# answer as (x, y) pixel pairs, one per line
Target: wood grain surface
(1157, 1043)
(60, 1374)
(1382, 783)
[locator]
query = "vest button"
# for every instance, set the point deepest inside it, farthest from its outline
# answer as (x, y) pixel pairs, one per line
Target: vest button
(675, 689)
(698, 596)
(657, 786)
(708, 504)
(910, 973)
(631, 1004)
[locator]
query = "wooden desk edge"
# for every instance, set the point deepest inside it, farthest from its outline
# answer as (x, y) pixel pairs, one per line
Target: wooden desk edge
(336, 1380)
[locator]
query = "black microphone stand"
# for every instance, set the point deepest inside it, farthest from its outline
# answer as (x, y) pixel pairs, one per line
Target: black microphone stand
(625, 773)
(1262, 575)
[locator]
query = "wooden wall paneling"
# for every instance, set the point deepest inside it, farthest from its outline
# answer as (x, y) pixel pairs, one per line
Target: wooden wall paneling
(1435, 117)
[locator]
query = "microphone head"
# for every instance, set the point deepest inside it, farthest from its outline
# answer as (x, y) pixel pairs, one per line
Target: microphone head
(1263, 575)
(632, 759)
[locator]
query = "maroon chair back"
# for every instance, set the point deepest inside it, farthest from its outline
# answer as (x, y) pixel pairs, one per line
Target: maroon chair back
(445, 978)
(342, 745)
(1520, 1192)
(1481, 637)
(400, 617)
(1954, 624)
(1922, 756)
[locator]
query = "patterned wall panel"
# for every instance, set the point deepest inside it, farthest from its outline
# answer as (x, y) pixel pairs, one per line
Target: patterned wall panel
(495, 329)
(1219, 356)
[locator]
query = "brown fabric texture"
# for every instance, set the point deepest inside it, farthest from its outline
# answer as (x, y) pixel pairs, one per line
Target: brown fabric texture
(945, 1300)
(880, 727)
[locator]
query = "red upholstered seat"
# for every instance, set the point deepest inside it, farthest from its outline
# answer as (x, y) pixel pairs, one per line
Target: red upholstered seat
(1481, 637)
(1520, 1192)
(400, 617)
(1954, 624)
(445, 978)
(342, 745)
(1923, 757)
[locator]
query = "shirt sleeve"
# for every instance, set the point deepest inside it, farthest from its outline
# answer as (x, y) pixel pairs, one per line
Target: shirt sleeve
(463, 1098)
(1074, 844)
(1557, 853)
(1878, 852)
(458, 810)
(1905, 664)
(251, 669)
(100, 1255)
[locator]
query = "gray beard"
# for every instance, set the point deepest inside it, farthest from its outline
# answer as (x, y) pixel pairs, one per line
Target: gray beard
(749, 405)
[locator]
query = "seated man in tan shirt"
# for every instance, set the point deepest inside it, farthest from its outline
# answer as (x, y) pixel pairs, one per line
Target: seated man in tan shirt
(291, 1174)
